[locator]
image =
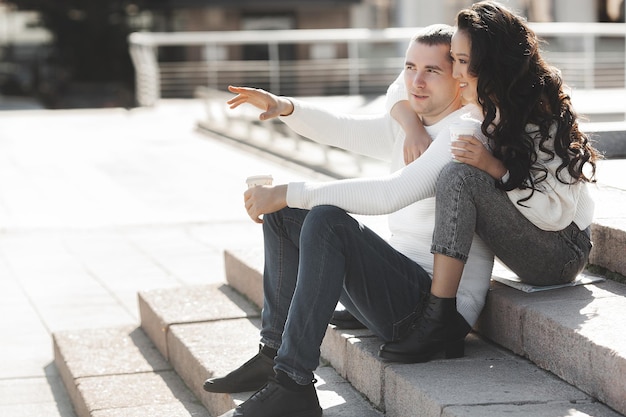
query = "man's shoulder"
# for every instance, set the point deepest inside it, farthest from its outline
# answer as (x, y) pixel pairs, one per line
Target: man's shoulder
(469, 111)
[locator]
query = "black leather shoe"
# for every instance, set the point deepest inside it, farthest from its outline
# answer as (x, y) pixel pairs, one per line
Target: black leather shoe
(343, 319)
(250, 376)
(439, 328)
(276, 400)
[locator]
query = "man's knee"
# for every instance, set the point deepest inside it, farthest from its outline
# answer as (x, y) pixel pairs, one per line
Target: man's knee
(271, 219)
(326, 217)
(279, 219)
(328, 211)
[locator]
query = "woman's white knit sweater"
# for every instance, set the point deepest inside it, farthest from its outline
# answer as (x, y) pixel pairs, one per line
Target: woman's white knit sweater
(556, 202)
(406, 194)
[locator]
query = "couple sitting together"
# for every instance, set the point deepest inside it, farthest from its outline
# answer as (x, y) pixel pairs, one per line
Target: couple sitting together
(516, 189)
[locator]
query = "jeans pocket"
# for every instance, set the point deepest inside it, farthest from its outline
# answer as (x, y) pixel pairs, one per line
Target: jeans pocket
(584, 241)
(572, 269)
(580, 245)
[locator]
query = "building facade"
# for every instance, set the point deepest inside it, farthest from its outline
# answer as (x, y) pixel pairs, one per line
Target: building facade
(28, 64)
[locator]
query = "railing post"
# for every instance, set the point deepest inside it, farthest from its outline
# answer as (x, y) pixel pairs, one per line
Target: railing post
(589, 45)
(147, 76)
(353, 65)
(211, 56)
(274, 65)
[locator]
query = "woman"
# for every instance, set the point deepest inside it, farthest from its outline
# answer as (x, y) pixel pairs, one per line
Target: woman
(527, 198)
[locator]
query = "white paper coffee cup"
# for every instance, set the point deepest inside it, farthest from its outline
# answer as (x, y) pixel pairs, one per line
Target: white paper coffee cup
(255, 180)
(460, 130)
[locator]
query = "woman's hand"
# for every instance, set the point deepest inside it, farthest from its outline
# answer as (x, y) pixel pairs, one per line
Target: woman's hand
(416, 140)
(471, 151)
(264, 199)
(272, 105)
(415, 144)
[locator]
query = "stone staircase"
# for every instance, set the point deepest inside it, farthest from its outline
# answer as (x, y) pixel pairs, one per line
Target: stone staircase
(554, 353)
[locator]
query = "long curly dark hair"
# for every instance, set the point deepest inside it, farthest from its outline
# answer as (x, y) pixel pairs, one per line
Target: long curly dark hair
(517, 89)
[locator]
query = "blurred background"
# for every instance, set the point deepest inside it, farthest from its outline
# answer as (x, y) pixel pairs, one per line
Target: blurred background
(78, 53)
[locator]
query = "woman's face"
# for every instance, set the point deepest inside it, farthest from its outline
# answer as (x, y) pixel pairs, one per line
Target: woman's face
(460, 53)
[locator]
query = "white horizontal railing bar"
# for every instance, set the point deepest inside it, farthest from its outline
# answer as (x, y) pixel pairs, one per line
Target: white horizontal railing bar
(343, 35)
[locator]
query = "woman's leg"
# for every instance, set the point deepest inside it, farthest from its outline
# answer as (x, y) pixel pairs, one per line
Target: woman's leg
(468, 202)
(447, 271)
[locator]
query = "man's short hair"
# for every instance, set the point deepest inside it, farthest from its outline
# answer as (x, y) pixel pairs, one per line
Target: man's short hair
(438, 34)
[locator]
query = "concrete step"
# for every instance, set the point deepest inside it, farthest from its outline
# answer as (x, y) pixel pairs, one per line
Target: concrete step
(571, 332)
(198, 332)
(190, 333)
(488, 381)
(608, 230)
(118, 372)
(211, 330)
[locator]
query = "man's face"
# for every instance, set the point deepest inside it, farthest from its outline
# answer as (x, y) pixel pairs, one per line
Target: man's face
(433, 91)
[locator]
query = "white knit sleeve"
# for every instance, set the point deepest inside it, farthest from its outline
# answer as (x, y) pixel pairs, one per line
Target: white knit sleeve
(370, 135)
(380, 195)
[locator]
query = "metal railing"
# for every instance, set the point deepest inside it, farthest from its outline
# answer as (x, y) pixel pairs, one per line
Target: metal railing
(341, 61)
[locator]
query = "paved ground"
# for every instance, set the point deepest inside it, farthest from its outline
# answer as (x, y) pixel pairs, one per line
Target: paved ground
(96, 205)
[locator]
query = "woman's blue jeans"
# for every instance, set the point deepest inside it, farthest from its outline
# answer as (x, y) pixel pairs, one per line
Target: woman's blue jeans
(313, 259)
(467, 200)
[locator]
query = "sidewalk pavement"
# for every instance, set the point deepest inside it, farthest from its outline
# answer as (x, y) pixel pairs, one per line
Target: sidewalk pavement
(96, 205)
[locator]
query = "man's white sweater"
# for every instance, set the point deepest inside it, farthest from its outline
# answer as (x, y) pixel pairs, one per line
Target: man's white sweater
(406, 194)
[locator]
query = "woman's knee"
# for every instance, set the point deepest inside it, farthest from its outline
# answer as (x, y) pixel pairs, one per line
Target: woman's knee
(453, 171)
(456, 174)
(449, 175)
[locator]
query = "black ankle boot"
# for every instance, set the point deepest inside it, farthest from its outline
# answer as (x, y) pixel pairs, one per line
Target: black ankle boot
(281, 397)
(439, 328)
(250, 376)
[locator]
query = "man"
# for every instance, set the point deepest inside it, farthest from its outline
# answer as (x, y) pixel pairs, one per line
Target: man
(316, 254)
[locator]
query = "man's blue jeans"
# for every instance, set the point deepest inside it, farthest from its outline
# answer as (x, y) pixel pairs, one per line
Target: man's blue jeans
(314, 259)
